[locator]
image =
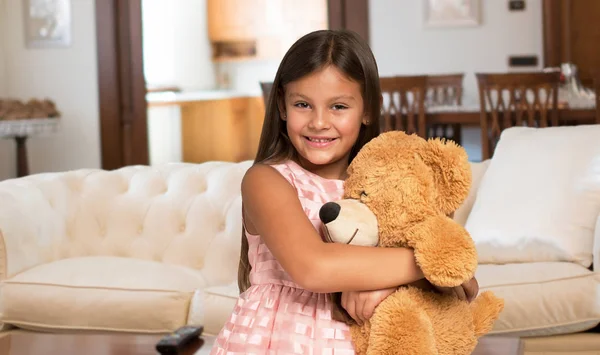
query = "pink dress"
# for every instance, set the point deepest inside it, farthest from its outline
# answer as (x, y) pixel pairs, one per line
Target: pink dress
(275, 315)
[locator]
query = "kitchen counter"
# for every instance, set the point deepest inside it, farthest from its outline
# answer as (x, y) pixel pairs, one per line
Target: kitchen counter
(204, 125)
(175, 98)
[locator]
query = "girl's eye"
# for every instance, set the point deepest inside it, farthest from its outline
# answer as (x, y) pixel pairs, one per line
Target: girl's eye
(301, 105)
(339, 107)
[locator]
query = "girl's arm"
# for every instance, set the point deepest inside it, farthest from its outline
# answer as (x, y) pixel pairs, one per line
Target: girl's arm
(273, 210)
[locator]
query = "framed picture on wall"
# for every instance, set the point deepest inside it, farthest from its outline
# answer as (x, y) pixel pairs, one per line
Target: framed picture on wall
(47, 23)
(452, 13)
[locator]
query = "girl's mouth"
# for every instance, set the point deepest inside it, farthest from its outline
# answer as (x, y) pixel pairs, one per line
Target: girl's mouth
(319, 142)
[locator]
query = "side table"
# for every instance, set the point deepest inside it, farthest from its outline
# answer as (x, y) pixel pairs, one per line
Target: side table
(20, 130)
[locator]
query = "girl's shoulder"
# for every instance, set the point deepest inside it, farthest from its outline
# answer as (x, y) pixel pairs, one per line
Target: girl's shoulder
(285, 168)
(269, 171)
(302, 179)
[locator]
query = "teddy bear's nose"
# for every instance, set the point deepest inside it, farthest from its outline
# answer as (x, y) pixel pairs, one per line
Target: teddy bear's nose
(329, 212)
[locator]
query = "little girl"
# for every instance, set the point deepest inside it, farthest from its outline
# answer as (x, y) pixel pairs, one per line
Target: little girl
(323, 107)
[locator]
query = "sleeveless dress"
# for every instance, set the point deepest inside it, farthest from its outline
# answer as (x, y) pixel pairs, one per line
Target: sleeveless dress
(275, 315)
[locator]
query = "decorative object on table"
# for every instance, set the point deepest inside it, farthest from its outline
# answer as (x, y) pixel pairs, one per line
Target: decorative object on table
(47, 23)
(399, 192)
(452, 13)
(21, 120)
(11, 109)
(571, 88)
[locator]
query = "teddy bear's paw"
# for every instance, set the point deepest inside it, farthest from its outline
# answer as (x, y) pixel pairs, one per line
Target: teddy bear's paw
(360, 338)
(486, 309)
(400, 325)
(444, 251)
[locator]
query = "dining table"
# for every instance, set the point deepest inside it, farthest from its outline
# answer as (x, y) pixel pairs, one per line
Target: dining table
(470, 114)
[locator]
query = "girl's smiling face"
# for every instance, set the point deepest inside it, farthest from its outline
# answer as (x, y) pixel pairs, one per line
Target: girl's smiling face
(323, 113)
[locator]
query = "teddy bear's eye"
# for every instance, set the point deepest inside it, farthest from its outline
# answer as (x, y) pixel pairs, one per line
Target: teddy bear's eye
(363, 194)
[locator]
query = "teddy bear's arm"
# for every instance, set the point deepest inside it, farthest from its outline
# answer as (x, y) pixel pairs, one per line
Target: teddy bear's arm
(443, 250)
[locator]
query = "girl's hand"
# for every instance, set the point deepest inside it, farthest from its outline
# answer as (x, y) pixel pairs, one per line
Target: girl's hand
(465, 292)
(360, 305)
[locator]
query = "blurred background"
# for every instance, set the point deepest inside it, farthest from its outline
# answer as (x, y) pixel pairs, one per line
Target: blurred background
(155, 81)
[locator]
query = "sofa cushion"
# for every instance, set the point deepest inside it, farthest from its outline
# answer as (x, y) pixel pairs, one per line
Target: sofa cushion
(540, 196)
(544, 298)
(100, 293)
(217, 303)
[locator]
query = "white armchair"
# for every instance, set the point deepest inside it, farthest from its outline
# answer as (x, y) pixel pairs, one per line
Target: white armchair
(124, 250)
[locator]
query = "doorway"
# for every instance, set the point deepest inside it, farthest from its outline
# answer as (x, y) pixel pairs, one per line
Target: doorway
(122, 85)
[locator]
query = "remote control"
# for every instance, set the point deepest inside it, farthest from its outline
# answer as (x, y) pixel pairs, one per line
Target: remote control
(174, 342)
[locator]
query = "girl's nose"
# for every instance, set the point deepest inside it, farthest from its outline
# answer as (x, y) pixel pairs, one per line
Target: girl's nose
(319, 120)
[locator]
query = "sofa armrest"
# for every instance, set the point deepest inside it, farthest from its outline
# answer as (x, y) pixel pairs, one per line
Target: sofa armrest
(596, 246)
(29, 222)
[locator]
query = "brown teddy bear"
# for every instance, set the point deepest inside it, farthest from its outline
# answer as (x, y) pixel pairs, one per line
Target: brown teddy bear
(399, 192)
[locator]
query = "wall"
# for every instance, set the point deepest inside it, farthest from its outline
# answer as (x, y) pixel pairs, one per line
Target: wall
(6, 146)
(402, 45)
(177, 53)
(176, 47)
(2, 64)
(177, 50)
(66, 75)
(245, 77)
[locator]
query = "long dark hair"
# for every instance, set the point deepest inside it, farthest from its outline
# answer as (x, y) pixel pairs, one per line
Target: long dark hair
(350, 54)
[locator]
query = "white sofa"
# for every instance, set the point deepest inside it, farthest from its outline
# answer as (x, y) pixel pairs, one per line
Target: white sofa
(147, 249)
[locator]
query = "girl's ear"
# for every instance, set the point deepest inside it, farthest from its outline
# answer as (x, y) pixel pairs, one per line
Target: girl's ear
(366, 121)
(281, 106)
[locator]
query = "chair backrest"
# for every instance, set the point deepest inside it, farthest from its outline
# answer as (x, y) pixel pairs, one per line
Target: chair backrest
(403, 106)
(515, 99)
(444, 90)
(266, 91)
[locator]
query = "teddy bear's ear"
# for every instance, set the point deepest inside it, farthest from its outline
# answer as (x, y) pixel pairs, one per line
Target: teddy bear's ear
(452, 172)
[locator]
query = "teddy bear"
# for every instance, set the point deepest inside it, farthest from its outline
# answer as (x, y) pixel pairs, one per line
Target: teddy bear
(399, 192)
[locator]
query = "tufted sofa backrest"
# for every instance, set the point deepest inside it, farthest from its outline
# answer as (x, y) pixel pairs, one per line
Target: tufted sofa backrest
(185, 214)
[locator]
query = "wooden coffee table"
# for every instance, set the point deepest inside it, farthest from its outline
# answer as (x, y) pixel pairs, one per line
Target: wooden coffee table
(496, 345)
(20, 342)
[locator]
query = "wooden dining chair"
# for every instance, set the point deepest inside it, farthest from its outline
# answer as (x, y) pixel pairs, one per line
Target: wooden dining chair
(403, 106)
(266, 87)
(515, 99)
(444, 90)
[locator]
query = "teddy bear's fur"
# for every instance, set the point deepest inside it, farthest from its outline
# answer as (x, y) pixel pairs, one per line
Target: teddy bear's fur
(408, 186)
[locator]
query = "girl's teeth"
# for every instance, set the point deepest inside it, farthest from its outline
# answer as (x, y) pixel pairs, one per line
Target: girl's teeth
(320, 140)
